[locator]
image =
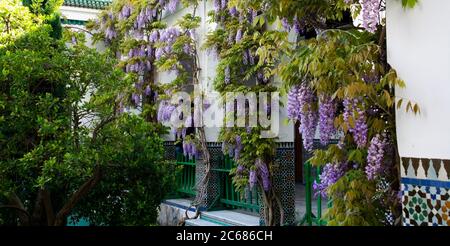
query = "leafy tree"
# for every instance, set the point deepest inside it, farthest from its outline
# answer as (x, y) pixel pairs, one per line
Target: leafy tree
(63, 134)
(339, 81)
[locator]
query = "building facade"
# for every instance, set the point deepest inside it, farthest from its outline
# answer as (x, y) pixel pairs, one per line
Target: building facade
(418, 48)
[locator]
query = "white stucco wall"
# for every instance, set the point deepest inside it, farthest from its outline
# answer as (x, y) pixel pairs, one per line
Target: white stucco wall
(419, 49)
(208, 63)
(81, 14)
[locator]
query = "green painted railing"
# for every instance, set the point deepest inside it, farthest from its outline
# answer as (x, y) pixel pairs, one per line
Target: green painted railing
(311, 218)
(186, 177)
(229, 197)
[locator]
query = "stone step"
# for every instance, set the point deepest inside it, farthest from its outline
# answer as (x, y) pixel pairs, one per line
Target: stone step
(230, 218)
(200, 222)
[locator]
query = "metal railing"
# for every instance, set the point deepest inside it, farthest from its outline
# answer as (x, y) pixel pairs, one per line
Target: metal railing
(229, 197)
(186, 177)
(313, 174)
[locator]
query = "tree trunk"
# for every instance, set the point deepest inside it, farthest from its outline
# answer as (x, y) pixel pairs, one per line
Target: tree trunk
(76, 197)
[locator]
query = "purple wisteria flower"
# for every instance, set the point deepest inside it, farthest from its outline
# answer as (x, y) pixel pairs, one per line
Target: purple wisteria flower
(240, 170)
(308, 116)
(286, 25)
(126, 12)
(165, 111)
(233, 12)
(370, 14)
(227, 75)
(375, 156)
(252, 179)
(355, 108)
(327, 113)
(238, 36)
(172, 6)
(264, 173)
(331, 173)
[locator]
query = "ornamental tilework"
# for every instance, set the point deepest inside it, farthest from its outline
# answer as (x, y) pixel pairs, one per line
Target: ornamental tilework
(423, 168)
(425, 191)
(284, 178)
(284, 182)
(90, 4)
(425, 205)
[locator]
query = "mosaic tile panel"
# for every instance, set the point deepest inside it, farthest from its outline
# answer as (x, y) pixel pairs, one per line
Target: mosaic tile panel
(170, 151)
(425, 202)
(284, 179)
(284, 182)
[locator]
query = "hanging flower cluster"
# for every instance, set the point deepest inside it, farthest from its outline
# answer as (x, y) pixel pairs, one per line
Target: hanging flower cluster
(375, 156)
(263, 172)
(302, 106)
(299, 26)
(308, 116)
(165, 111)
(108, 24)
(293, 104)
(139, 59)
(190, 149)
(331, 173)
(327, 114)
(166, 38)
(370, 14)
(354, 109)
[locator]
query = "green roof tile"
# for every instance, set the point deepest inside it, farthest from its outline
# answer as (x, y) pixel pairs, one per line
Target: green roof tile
(91, 4)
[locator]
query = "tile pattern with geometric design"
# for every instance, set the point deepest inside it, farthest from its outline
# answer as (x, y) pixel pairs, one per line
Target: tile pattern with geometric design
(425, 187)
(425, 205)
(284, 177)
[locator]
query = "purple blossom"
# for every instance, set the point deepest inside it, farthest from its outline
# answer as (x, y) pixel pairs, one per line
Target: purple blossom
(238, 36)
(126, 12)
(245, 58)
(154, 36)
(296, 26)
(167, 38)
(355, 109)
(136, 99)
(110, 33)
(227, 75)
(217, 5)
(327, 111)
(286, 25)
(252, 179)
(370, 14)
(165, 111)
(172, 6)
(148, 90)
(240, 169)
(230, 151)
(375, 156)
(293, 104)
(308, 116)
(233, 11)
(264, 173)
(224, 4)
(331, 173)
(238, 148)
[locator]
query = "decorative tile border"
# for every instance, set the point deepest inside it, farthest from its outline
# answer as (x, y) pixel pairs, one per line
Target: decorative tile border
(425, 188)
(423, 168)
